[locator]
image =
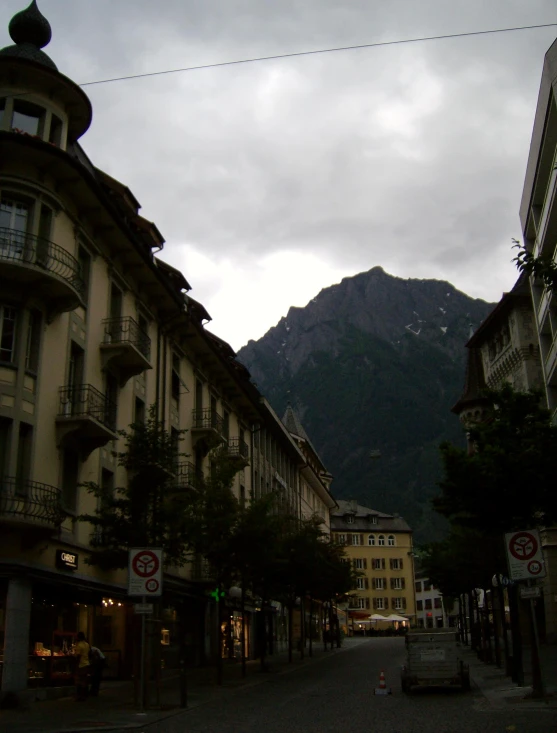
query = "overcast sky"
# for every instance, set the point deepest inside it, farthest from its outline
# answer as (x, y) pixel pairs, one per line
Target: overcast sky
(272, 180)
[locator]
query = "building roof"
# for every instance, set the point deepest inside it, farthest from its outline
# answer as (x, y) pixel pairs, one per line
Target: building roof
(474, 382)
(363, 519)
(292, 423)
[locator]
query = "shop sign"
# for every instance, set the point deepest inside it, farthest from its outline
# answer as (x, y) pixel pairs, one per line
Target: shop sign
(532, 592)
(143, 608)
(67, 560)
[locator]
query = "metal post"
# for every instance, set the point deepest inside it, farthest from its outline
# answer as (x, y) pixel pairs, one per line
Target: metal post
(142, 664)
(537, 676)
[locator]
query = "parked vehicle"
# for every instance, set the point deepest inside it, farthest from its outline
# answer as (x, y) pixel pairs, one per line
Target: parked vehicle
(434, 659)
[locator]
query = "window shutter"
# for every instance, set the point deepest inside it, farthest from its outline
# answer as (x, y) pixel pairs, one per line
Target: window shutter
(404, 602)
(386, 602)
(391, 563)
(366, 583)
(354, 563)
(361, 539)
(392, 583)
(373, 584)
(400, 563)
(375, 603)
(383, 564)
(403, 584)
(367, 603)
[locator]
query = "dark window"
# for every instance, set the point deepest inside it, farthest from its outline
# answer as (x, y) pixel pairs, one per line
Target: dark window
(5, 433)
(198, 394)
(428, 604)
(175, 440)
(23, 469)
(175, 379)
(112, 397)
(437, 603)
(427, 585)
(115, 302)
(139, 410)
(420, 605)
(75, 375)
(418, 586)
(107, 484)
(8, 319)
(242, 496)
(70, 472)
(84, 259)
(33, 341)
(45, 224)
(28, 117)
(226, 424)
(55, 135)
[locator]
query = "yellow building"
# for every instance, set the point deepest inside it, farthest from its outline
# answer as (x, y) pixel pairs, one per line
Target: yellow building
(379, 546)
(94, 329)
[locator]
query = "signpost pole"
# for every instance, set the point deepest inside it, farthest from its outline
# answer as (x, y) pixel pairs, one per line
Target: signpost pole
(142, 664)
(537, 676)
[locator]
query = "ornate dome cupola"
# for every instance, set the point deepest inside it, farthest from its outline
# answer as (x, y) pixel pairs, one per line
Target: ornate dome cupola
(30, 31)
(35, 98)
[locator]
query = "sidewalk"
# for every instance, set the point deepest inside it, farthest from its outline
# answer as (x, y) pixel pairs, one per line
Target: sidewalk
(502, 692)
(114, 708)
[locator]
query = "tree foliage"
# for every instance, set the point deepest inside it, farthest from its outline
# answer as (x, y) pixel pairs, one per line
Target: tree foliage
(542, 267)
(507, 482)
(146, 512)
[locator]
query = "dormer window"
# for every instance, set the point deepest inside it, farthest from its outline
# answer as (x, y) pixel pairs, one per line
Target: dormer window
(373, 519)
(349, 519)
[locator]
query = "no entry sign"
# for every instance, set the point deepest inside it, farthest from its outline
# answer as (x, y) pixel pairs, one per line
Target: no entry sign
(524, 555)
(145, 572)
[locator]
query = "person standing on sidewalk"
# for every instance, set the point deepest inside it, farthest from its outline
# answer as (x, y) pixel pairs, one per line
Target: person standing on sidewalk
(98, 661)
(82, 650)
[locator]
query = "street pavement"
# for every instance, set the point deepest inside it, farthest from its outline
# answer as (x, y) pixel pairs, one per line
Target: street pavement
(332, 692)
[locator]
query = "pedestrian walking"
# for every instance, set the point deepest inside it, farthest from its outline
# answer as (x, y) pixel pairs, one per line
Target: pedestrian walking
(82, 649)
(98, 662)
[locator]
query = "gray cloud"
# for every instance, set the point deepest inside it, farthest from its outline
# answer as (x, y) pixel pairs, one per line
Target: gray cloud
(408, 156)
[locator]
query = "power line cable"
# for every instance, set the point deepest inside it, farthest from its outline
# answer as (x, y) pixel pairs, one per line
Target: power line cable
(318, 51)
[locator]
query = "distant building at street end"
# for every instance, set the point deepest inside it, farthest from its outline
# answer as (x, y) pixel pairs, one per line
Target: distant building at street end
(379, 546)
(432, 611)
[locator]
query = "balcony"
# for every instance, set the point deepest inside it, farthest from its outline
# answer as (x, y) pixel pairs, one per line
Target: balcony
(38, 264)
(86, 418)
(126, 347)
(236, 450)
(29, 504)
(185, 476)
(207, 429)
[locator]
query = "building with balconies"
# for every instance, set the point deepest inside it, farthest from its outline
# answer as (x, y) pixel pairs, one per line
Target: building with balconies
(94, 330)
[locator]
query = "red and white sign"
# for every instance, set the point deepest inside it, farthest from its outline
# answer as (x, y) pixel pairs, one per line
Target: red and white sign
(524, 555)
(145, 572)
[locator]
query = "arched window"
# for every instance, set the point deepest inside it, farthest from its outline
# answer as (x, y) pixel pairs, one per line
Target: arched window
(391, 540)
(381, 539)
(371, 539)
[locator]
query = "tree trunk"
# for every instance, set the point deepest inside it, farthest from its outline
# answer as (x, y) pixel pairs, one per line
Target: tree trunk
(290, 631)
(243, 632)
(310, 626)
(504, 627)
(302, 626)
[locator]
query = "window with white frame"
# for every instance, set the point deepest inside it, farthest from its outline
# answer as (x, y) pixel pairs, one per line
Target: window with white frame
(356, 539)
(396, 563)
(378, 563)
(371, 540)
(341, 539)
(379, 584)
(399, 603)
(381, 541)
(397, 583)
(8, 320)
(391, 540)
(359, 563)
(379, 603)
(358, 603)
(361, 583)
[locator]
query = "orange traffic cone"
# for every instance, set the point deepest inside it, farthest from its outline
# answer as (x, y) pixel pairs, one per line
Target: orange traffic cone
(382, 689)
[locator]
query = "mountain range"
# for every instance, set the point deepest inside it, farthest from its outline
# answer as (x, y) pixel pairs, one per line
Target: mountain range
(372, 366)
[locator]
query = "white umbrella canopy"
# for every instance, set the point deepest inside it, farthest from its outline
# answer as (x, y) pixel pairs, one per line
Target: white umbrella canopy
(395, 617)
(378, 617)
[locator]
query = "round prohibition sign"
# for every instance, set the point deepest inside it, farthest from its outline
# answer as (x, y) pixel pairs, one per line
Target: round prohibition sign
(523, 546)
(145, 564)
(534, 567)
(152, 585)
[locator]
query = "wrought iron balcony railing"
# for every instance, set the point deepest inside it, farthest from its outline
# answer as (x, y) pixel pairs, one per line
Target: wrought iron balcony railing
(83, 400)
(186, 476)
(127, 331)
(31, 501)
(37, 252)
(208, 419)
(237, 447)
